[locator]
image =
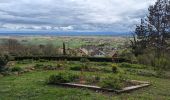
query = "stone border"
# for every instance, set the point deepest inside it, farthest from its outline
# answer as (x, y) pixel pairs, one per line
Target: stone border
(126, 89)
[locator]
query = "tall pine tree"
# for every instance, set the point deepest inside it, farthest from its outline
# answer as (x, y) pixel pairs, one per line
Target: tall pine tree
(154, 31)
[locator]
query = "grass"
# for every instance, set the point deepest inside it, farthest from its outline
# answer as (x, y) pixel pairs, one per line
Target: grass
(32, 86)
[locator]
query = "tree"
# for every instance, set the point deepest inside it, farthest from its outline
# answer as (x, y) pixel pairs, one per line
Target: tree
(64, 49)
(13, 46)
(159, 25)
(154, 31)
(49, 50)
(140, 39)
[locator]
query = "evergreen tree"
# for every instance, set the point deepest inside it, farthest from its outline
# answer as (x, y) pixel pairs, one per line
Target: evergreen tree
(64, 49)
(154, 31)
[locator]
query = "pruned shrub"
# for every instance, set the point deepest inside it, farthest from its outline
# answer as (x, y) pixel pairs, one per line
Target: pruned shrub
(16, 69)
(114, 68)
(62, 77)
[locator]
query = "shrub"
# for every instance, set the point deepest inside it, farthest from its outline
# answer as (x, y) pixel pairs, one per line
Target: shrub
(161, 63)
(16, 69)
(128, 55)
(104, 69)
(43, 60)
(113, 82)
(76, 68)
(103, 64)
(60, 65)
(128, 65)
(50, 67)
(27, 61)
(114, 68)
(143, 59)
(63, 77)
(83, 60)
(38, 66)
(93, 79)
(3, 61)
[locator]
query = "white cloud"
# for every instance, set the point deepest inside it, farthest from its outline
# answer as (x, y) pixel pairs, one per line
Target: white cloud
(88, 15)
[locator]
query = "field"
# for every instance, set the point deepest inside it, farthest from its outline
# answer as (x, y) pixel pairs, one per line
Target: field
(32, 85)
(71, 41)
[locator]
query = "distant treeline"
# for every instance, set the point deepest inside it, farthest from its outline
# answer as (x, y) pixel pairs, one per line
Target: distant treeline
(15, 48)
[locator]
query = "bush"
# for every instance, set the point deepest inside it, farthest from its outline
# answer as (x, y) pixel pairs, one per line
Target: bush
(103, 64)
(128, 55)
(3, 61)
(43, 60)
(76, 68)
(63, 77)
(128, 65)
(27, 61)
(50, 67)
(161, 64)
(143, 59)
(16, 69)
(38, 66)
(114, 68)
(83, 60)
(113, 82)
(106, 70)
(93, 79)
(60, 65)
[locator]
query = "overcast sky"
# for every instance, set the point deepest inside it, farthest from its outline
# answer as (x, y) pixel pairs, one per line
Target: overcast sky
(72, 15)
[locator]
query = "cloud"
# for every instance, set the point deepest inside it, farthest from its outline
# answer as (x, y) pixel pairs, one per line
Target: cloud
(75, 15)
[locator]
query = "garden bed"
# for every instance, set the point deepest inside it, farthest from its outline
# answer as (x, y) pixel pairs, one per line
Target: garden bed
(140, 84)
(117, 83)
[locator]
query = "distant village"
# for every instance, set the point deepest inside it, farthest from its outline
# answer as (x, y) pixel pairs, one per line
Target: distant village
(92, 51)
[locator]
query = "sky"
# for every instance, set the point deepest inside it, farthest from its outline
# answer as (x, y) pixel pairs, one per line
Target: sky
(72, 15)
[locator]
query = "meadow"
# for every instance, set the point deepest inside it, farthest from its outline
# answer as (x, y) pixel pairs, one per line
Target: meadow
(32, 84)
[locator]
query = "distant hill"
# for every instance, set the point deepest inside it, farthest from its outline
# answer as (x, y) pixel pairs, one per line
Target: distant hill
(48, 33)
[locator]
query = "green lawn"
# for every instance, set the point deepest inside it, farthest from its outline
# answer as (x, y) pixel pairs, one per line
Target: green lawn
(32, 86)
